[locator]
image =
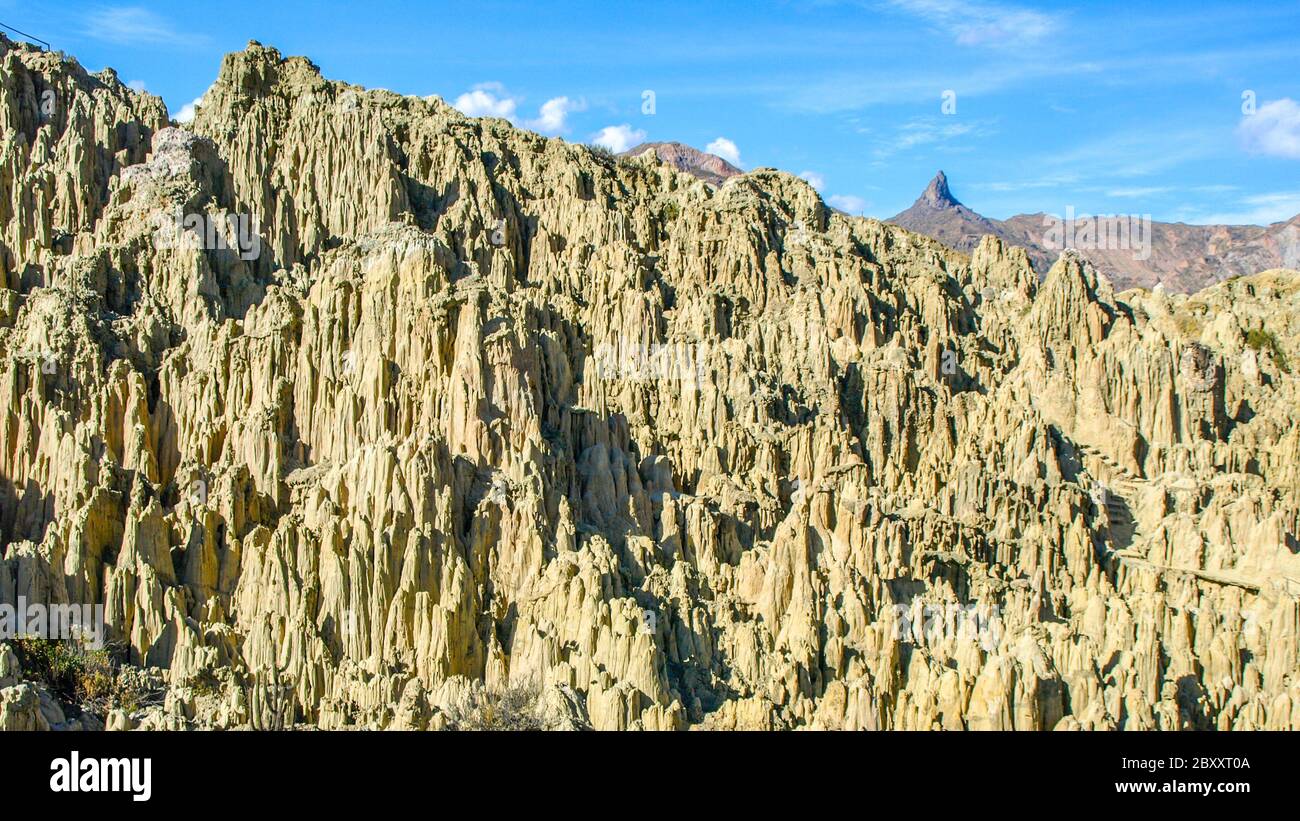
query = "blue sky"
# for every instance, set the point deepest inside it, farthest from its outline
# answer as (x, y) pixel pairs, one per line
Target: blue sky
(1115, 107)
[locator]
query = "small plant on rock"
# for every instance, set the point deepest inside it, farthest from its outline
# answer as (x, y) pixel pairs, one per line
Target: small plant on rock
(512, 708)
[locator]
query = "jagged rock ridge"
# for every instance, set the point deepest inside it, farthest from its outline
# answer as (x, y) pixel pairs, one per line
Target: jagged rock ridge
(489, 408)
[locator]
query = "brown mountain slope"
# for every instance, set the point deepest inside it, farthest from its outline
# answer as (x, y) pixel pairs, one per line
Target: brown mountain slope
(939, 215)
(1183, 258)
(708, 167)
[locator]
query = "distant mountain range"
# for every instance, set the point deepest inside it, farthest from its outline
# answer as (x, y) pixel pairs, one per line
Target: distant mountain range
(1135, 253)
(709, 167)
(1181, 257)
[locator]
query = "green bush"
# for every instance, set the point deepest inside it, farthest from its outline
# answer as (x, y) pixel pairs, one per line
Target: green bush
(72, 673)
(1262, 340)
(85, 679)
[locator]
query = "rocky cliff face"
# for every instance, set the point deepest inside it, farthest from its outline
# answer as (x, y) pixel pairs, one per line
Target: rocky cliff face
(481, 409)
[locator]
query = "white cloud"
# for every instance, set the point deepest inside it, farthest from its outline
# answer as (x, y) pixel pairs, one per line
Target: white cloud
(487, 100)
(725, 149)
(817, 181)
(618, 138)
(137, 85)
(1274, 129)
(553, 115)
(848, 203)
(133, 25)
(186, 114)
(492, 100)
(975, 23)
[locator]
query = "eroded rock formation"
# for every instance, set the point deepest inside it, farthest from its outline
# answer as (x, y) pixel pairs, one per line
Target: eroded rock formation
(486, 408)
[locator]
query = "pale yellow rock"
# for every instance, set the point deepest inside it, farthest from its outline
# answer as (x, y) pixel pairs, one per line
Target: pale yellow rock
(489, 410)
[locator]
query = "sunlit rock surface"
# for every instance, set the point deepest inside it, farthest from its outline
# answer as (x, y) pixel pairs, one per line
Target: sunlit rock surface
(488, 409)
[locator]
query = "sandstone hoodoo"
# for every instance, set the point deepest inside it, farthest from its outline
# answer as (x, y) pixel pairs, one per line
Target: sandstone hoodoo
(492, 418)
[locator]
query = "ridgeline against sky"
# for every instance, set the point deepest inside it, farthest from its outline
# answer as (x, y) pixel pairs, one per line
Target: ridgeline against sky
(1185, 114)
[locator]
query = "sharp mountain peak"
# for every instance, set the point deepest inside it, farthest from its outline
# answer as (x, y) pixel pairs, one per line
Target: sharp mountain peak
(937, 193)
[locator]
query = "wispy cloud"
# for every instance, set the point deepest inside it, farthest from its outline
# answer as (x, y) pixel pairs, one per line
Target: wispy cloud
(976, 23)
(883, 85)
(1149, 191)
(1013, 186)
(1257, 209)
(1273, 130)
(921, 131)
(135, 26)
(1124, 155)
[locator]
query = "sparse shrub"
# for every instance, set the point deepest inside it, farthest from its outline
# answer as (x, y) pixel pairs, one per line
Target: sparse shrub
(670, 212)
(513, 708)
(85, 679)
(1188, 326)
(72, 673)
(1262, 340)
(602, 151)
(136, 689)
(206, 683)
